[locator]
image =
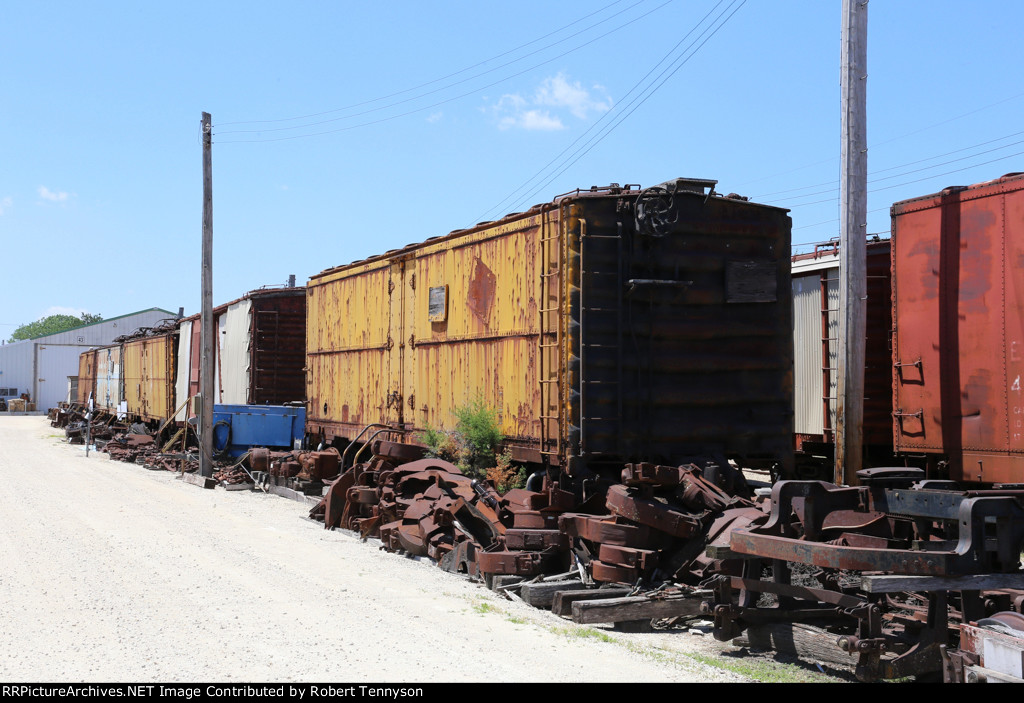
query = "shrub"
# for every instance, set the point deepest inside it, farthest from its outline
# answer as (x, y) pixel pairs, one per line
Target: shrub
(473, 445)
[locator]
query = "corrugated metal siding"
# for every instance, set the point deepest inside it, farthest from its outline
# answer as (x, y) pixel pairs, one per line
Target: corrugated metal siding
(807, 348)
(233, 353)
(52, 366)
(17, 366)
(103, 333)
(148, 367)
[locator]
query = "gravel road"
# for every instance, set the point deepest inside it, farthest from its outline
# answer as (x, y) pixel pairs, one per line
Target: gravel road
(111, 572)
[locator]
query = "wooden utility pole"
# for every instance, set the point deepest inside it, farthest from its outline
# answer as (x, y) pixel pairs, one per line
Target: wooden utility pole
(206, 336)
(852, 244)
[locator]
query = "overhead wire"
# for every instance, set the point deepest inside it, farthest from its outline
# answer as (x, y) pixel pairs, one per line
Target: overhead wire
(440, 102)
(681, 61)
(887, 141)
(442, 78)
(892, 168)
(511, 196)
(917, 170)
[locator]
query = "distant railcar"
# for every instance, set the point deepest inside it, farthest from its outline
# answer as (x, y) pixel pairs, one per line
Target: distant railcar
(608, 325)
(815, 357)
(148, 371)
(259, 355)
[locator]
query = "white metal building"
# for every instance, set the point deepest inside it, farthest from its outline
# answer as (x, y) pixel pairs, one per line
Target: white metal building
(44, 366)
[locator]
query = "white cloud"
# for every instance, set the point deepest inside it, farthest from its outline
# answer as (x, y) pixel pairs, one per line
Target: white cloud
(540, 112)
(557, 91)
(434, 117)
(54, 197)
(5, 203)
(536, 120)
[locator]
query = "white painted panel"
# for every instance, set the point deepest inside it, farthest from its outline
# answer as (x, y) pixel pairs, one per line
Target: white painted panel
(182, 368)
(807, 381)
(233, 353)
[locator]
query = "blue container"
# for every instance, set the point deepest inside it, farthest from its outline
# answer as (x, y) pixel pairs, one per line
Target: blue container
(238, 428)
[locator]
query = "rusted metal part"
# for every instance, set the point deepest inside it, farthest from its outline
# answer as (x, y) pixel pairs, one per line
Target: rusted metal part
(824, 511)
(605, 530)
(259, 459)
(511, 563)
(397, 451)
(625, 502)
(613, 573)
(641, 559)
(536, 540)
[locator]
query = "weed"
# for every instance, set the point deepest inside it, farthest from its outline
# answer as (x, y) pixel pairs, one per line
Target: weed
(473, 445)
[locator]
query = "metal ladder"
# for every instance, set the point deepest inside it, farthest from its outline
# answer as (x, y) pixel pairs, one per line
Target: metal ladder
(550, 335)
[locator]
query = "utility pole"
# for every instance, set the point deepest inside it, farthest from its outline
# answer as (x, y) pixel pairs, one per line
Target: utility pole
(852, 244)
(206, 316)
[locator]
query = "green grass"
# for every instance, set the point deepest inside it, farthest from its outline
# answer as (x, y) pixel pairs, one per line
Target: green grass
(761, 670)
(749, 666)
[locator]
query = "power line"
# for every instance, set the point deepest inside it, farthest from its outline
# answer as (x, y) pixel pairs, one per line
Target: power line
(926, 178)
(597, 139)
(887, 141)
(511, 196)
(442, 78)
(911, 163)
(440, 102)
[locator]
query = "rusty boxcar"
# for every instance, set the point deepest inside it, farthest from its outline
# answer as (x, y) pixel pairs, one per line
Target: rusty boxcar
(815, 349)
(260, 352)
(609, 325)
(148, 367)
(86, 377)
(958, 341)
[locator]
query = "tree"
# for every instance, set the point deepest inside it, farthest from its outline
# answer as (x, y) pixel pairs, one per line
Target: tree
(52, 324)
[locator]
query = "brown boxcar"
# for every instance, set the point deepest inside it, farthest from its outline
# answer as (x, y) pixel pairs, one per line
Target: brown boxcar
(958, 341)
(607, 325)
(86, 376)
(260, 350)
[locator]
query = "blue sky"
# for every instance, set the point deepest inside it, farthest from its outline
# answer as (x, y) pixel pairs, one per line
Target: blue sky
(419, 118)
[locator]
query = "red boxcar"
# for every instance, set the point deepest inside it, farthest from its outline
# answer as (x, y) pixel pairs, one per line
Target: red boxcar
(958, 338)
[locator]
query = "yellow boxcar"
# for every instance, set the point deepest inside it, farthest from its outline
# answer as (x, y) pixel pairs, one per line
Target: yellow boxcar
(86, 376)
(607, 325)
(148, 372)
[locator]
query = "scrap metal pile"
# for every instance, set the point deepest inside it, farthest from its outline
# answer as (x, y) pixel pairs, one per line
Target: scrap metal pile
(651, 529)
(890, 572)
(893, 570)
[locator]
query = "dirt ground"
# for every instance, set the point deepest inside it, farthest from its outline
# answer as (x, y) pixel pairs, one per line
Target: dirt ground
(112, 572)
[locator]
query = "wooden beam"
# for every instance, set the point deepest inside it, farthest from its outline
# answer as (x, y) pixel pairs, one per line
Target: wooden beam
(542, 594)
(977, 582)
(561, 602)
(633, 608)
(808, 643)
